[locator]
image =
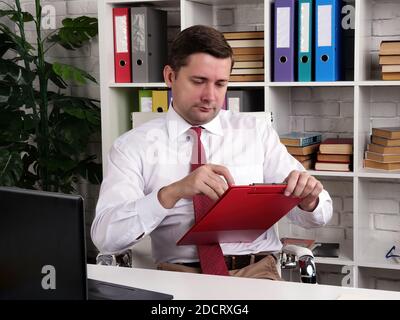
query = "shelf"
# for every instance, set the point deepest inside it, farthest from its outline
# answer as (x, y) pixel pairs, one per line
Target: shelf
(330, 173)
(246, 84)
(227, 2)
(371, 173)
(312, 84)
(379, 265)
(130, 2)
(138, 85)
(377, 83)
(335, 261)
(162, 84)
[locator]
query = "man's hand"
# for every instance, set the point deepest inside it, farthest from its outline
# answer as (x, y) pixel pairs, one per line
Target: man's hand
(205, 180)
(301, 184)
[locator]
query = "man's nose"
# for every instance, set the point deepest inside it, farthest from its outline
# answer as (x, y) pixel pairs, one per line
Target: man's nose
(209, 93)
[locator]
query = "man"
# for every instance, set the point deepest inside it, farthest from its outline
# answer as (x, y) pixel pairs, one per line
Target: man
(149, 186)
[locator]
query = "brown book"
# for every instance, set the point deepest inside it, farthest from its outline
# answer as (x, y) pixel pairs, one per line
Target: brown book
(381, 157)
(342, 158)
(332, 166)
(248, 64)
(248, 57)
(385, 142)
(391, 68)
(248, 50)
(389, 48)
(303, 151)
(391, 76)
(244, 35)
(307, 164)
(302, 158)
(248, 71)
(382, 149)
(387, 132)
(246, 43)
(299, 139)
(389, 59)
(337, 146)
(246, 77)
(380, 165)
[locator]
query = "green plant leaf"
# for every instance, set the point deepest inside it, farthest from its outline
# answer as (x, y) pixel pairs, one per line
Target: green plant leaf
(75, 32)
(11, 168)
(80, 108)
(93, 116)
(21, 46)
(6, 43)
(12, 72)
(67, 72)
(13, 121)
(14, 15)
(18, 96)
(55, 78)
(74, 132)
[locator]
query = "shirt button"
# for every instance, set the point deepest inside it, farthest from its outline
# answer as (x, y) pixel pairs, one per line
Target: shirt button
(187, 138)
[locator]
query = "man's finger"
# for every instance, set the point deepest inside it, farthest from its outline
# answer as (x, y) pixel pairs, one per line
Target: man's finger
(220, 183)
(309, 187)
(209, 192)
(223, 171)
(301, 184)
(291, 182)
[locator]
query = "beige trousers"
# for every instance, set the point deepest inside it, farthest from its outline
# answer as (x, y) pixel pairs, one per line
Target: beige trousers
(263, 269)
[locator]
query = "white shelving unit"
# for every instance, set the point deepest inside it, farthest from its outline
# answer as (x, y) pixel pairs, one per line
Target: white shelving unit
(302, 106)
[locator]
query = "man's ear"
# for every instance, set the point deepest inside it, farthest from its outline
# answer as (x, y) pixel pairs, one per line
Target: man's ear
(169, 75)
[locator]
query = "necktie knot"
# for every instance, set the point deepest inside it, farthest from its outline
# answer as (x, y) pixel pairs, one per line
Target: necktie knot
(197, 130)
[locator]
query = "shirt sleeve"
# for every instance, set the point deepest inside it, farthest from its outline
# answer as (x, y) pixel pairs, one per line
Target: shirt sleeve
(124, 214)
(278, 163)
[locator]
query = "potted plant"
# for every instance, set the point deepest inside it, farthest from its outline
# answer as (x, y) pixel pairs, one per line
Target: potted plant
(43, 133)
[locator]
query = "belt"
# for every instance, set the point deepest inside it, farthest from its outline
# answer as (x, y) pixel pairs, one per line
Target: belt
(234, 262)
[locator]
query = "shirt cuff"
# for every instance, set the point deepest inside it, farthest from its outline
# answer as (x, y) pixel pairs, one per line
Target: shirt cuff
(150, 211)
(321, 214)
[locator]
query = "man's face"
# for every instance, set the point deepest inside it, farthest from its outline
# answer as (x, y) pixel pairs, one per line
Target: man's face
(199, 88)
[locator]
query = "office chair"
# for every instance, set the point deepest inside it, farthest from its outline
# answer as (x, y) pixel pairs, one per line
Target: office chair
(291, 257)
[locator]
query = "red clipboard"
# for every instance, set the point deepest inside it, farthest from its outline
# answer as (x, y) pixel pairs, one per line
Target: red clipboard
(242, 214)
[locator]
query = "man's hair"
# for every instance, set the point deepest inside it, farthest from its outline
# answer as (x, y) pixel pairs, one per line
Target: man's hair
(198, 39)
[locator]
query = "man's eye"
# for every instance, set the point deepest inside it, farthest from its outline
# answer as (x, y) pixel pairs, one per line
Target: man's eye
(197, 81)
(221, 84)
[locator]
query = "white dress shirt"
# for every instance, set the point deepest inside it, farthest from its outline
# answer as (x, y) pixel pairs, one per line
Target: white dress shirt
(158, 153)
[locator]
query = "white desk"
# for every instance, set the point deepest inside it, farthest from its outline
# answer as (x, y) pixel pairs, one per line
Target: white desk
(185, 286)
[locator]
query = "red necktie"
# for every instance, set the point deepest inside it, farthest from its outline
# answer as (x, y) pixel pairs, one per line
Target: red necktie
(211, 257)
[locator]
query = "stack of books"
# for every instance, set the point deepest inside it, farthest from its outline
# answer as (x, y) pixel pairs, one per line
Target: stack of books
(302, 146)
(389, 59)
(384, 150)
(248, 54)
(335, 154)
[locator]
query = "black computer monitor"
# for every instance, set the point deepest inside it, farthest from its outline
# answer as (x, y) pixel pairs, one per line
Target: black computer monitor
(42, 245)
(42, 250)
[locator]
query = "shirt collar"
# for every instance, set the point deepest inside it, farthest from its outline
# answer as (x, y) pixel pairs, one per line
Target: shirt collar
(176, 125)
